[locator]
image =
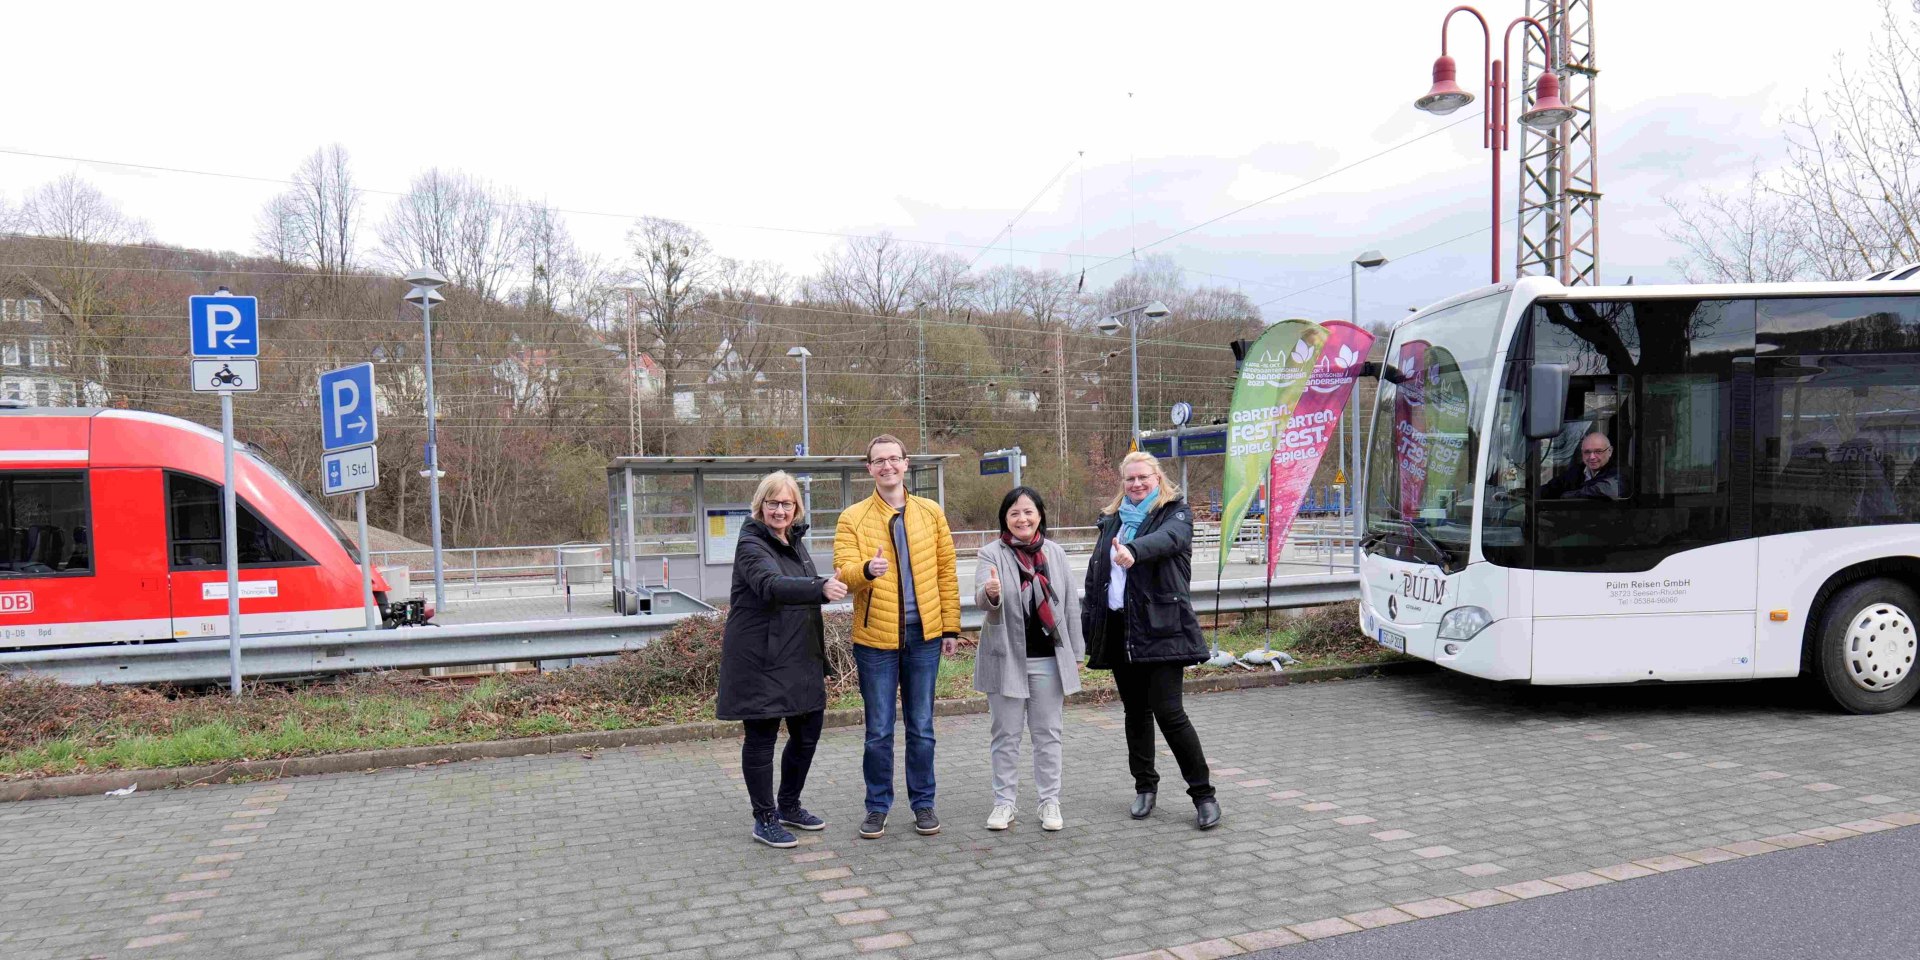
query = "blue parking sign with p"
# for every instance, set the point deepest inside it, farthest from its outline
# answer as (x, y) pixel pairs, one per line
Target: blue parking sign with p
(225, 326)
(347, 417)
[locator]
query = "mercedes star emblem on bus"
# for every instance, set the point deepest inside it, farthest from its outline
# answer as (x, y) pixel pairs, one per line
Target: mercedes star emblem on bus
(1393, 608)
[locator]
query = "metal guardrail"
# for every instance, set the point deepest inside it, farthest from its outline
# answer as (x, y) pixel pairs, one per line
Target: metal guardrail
(346, 651)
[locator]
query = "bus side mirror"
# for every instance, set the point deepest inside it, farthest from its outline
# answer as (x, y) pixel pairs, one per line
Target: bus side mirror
(1384, 371)
(1546, 399)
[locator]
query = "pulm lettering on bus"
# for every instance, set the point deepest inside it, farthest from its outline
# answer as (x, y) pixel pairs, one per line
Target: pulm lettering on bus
(1423, 589)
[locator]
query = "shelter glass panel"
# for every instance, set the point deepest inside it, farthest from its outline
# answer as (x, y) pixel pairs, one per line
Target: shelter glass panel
(649, 483)
(735, 488)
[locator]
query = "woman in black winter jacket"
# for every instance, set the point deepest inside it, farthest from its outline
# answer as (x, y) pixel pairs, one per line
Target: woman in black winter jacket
(773, 658)
(1140, 624)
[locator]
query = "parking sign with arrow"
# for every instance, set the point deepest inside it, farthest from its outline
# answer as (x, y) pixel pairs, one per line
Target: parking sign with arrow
(225, 325)
(347, 417)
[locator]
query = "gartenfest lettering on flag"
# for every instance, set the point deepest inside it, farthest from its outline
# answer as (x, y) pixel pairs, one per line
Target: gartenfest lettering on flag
(1286, 407)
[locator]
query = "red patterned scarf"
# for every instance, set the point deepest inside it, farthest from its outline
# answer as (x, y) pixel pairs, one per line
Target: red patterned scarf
(1033, 569)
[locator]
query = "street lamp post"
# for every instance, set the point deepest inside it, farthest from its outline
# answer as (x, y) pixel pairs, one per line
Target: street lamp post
(801, 354)
(1370, 260)
(1446, 96)
(1154, 310)
(806, 441)
(424, 293)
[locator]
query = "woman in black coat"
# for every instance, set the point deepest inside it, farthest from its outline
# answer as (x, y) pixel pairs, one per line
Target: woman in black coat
(1140, 624)
(773, 658)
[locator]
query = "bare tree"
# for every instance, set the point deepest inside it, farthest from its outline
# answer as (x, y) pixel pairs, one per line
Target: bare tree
(1853, 176)
(949, 286)
(85, 227)
(462, 226)
(876, 275)
(672, 271)
(315, 222)
(1747, 237)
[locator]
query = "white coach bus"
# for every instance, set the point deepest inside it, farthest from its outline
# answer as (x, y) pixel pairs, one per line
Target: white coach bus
(1596, 485)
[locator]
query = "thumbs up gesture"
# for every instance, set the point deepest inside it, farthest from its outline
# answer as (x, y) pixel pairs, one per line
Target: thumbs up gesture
(877, 567)
(993, 584)
(1122, 556)
(835, 589)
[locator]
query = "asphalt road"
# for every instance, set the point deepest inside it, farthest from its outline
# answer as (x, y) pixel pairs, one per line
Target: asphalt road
(1854, 899)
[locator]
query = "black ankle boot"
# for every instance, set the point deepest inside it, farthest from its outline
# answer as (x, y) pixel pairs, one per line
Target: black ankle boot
(1206, 813)
(1143, 804)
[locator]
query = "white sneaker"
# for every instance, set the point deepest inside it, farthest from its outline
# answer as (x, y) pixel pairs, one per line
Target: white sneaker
(1001, 817)
(1050, 818)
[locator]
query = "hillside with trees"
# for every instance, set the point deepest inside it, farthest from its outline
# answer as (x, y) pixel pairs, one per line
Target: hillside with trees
(550, 360)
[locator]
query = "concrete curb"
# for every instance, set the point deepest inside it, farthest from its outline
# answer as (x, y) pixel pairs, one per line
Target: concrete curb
(90, 784)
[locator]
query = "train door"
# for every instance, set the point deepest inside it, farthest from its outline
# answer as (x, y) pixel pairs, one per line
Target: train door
(271, 565)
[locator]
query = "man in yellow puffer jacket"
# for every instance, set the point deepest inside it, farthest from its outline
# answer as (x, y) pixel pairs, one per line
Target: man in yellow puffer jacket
(894, 552)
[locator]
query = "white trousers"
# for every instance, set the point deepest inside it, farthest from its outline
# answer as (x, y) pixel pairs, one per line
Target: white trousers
(1039, 715)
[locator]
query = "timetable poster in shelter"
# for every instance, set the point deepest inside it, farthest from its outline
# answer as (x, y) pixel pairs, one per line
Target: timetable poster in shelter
(1410, 425)
(1297, 453)
(1271, 381)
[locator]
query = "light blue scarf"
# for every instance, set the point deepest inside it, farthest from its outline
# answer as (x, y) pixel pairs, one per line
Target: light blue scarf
(1132, 515)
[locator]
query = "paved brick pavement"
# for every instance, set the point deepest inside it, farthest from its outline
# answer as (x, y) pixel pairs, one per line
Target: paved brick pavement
(1348, 805)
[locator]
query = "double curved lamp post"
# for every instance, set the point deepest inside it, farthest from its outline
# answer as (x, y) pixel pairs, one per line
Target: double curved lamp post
(1547, 112)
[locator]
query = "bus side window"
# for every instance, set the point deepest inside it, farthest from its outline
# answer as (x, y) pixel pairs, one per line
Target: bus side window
(1655, 378)
(1837, 442)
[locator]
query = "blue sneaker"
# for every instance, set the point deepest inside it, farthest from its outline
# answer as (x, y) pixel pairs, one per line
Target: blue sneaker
(798, 818)
(767, 830)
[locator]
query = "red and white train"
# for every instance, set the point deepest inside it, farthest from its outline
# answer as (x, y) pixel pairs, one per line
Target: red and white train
(112, 533)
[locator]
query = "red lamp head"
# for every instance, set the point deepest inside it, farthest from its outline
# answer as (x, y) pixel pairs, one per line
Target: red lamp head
(1548, 111)
(1446, 95)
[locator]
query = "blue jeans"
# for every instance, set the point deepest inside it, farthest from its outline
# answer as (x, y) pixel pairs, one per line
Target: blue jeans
(907, 674)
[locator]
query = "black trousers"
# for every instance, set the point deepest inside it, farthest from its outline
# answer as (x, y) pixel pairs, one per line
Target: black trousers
(756, 759)
(1151, 693)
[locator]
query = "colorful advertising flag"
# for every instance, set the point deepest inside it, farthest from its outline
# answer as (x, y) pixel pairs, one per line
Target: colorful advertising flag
(1310, 429)
(1272, 379)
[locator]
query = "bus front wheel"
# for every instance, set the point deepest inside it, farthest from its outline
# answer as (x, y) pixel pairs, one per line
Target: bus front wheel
(1868, 645)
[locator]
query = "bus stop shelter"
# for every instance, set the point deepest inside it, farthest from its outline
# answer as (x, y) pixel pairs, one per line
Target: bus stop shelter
(675, 520)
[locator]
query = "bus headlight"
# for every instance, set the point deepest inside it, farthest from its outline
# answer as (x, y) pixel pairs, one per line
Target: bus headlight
(1464, 623)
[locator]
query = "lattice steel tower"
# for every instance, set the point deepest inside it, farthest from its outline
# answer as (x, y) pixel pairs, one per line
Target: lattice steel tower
(1559, 231)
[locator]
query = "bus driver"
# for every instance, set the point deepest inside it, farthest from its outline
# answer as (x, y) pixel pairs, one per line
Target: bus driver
(1595, 477)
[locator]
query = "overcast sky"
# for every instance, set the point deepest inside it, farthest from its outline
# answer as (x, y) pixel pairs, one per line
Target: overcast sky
(773, 126)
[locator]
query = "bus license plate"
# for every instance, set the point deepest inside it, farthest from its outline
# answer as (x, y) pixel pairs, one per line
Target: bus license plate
(1393, 641)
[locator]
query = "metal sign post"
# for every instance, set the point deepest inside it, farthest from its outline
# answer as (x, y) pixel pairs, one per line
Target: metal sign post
(349, 430)
(227, 328)
(1009, 460)
(1182, 414)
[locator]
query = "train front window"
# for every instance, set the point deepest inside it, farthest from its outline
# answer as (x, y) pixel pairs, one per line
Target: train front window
(193, 518)
(47, 533)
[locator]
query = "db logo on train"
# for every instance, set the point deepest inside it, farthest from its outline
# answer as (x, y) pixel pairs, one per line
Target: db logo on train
(16, 603)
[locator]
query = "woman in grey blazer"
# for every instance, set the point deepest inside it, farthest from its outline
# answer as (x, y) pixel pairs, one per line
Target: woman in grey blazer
(1030, 651)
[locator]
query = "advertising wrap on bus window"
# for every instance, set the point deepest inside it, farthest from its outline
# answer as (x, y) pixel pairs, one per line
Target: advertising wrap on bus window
(1272, 379)
(1409, 425)
(1296, 457)
(1444, 392)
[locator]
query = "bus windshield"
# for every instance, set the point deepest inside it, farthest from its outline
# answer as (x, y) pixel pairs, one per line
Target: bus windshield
(1425, 433)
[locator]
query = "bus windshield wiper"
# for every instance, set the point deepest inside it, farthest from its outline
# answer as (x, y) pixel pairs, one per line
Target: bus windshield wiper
(1440, 555)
